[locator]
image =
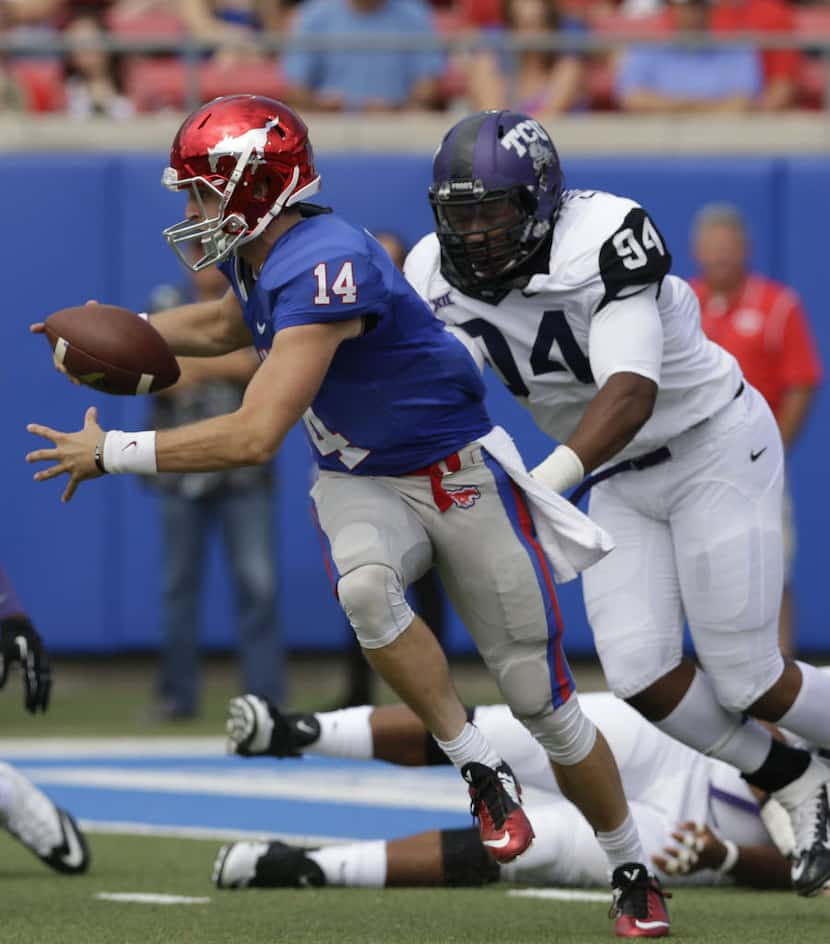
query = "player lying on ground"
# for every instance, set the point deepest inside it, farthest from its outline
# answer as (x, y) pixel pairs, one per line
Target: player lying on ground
(26, 812)
(412, 473)
(567, 294)
(698, 819)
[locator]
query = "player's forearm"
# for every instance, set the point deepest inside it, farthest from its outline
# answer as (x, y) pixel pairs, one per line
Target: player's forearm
(613, 418)
(197, 330)
(222, 442)
(761, 867)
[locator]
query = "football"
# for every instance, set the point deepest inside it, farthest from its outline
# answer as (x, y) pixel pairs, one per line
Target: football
(111, 349)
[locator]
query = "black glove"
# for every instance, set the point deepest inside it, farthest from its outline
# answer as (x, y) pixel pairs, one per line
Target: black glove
(21, 642)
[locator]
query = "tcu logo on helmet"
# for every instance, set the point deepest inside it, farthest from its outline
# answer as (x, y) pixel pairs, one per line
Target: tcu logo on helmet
(529, 135)
(463, 496)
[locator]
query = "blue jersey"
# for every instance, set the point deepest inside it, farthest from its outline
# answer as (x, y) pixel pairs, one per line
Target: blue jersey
(402, 395)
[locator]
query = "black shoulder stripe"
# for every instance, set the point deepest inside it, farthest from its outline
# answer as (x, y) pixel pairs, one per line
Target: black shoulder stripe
(633, 257)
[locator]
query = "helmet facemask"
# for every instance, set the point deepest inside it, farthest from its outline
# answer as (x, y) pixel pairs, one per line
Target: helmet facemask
(486, 235)
(221, 234)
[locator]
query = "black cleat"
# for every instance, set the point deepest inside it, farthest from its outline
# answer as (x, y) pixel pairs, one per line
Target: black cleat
(256, 728)
(265, 865)
(639, 905)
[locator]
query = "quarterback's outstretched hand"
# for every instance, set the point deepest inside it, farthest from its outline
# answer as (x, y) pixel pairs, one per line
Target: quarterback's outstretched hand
(21, 642)
(73, 455)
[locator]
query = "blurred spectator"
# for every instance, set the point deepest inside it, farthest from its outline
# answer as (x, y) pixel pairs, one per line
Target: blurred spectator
(781, 67)
(28, 12)
(531, 81)
(763, 324)
(13, 96)
(94, 81)
(363, 79)
(240, 502)
(671, 78)
(232, 25)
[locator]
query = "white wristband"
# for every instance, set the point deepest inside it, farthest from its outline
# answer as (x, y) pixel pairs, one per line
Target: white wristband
(130, 452)
(561, 470)
(731, 859)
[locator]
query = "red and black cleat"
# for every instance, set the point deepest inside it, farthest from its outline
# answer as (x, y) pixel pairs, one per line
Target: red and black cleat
(495, 801)
(639, 905)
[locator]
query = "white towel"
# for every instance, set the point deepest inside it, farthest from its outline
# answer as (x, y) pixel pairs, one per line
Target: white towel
(570, 539)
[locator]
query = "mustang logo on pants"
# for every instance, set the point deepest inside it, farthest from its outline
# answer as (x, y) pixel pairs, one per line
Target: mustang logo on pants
(464, 496)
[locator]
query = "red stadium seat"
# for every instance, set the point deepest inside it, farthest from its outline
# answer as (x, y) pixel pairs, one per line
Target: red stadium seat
(152, 24)
(261, 78)
(600, 82)
(42, 81)
(656, 24)
(156, 84)
(812, 83)
(812, 21)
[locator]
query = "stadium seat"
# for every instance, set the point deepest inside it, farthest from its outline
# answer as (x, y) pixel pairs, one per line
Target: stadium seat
(156, 84)
(261, 78)
(812, 83)
(42, 81)
(656, 24)
(152, 24)
(812, 21)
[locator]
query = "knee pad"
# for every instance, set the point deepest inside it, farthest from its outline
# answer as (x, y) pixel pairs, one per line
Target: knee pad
(566, 733)
(736, 690)
(373, 599)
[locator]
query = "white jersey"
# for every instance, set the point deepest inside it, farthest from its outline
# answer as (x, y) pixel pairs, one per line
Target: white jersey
(555, 342)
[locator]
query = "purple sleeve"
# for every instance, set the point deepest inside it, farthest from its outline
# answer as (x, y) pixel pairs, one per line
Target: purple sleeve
(9, 604)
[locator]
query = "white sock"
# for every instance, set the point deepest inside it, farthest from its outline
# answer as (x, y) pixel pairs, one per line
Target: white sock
(622, 845)
(702, 723)
(345, 733)
(809, 714)
(469, 747)
(360, 865)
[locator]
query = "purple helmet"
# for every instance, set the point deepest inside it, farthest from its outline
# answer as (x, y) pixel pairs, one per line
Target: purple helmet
(496, 187)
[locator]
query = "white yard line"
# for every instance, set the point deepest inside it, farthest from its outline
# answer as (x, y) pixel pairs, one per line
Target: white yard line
(151, 898)
(560, 894)
(127, 828)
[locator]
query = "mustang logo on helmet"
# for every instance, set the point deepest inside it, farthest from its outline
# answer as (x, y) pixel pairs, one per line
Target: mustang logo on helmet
(236, 145)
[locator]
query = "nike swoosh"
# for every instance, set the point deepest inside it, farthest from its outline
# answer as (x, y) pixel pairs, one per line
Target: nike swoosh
(798, 869)
(498, 843)
(650, 925)
(757, 455)
(74, 856)
(305, 727)
(132, 442)
(261, 327)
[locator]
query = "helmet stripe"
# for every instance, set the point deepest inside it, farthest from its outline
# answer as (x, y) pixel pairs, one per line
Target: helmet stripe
(463, 146)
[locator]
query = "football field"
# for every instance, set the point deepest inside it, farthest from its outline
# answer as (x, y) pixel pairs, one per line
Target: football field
(48, 909)
(157, 808)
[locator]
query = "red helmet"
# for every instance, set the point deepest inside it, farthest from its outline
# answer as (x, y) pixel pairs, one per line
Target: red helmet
(254, 154)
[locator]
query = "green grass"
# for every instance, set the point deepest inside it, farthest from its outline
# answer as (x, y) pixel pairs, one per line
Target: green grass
(41, 908)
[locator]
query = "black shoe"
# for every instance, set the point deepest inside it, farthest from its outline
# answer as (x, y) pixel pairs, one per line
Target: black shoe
(639, 905)
(265, 865)
(256, 728)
